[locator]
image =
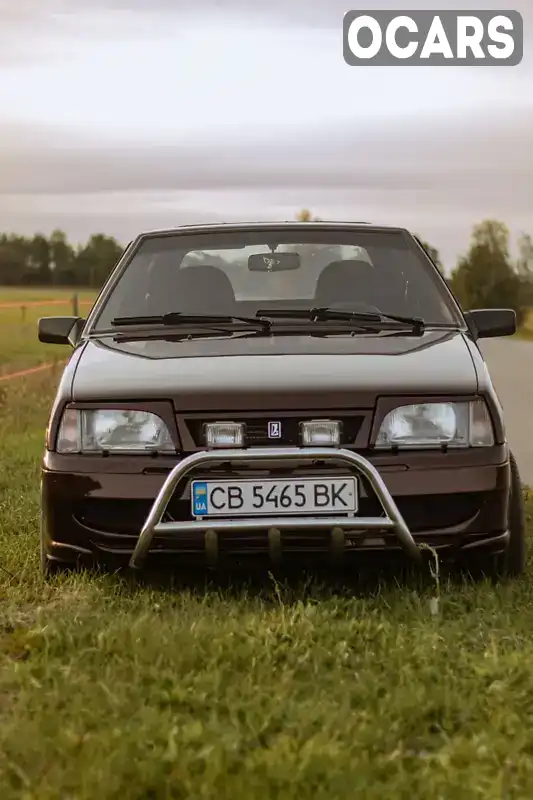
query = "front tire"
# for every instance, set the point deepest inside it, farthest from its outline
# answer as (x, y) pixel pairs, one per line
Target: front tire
(512, 562)
(50, 566)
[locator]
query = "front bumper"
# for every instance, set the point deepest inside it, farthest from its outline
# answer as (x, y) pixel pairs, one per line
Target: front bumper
(391, 521)
(451, 502)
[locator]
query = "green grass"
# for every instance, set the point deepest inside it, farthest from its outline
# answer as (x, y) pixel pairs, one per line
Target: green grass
(19, 346)
(9, 294)
(110, 688)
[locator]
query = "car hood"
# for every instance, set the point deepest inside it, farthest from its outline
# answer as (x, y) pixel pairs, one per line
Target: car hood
(289, 372)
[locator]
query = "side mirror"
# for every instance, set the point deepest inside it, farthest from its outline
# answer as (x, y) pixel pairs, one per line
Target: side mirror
(486, 323)
(60, 330)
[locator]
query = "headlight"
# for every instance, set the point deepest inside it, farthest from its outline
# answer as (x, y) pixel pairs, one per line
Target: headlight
(437, 425)
(224, 434)
(321, 433)
(101, 430)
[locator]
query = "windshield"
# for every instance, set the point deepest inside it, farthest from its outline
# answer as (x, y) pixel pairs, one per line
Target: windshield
(239, 272)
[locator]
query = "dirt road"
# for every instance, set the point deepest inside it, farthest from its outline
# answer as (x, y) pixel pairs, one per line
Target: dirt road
(510, 362)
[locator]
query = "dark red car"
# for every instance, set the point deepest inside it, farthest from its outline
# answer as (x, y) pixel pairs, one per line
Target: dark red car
(278, 388)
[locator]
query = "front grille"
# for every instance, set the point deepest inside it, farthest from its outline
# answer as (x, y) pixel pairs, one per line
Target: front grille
(421, 513)
(257, 429)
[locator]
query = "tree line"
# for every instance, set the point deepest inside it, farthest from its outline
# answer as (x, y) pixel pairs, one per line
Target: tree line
(53, 261)
(487, 276)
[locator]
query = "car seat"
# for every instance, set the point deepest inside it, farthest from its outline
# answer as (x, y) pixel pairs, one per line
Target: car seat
(201, 289)
(352, 283)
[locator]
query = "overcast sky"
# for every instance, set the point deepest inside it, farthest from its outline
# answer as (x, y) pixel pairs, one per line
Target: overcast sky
(118, 119)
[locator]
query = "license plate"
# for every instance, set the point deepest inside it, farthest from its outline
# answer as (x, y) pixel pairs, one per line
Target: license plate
(248, 498)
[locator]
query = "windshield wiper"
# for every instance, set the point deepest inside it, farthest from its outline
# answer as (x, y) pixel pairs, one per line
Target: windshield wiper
(179, 318)
(363, 318)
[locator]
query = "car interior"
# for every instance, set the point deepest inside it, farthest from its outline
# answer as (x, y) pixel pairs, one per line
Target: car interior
(206, 289)
(386, 282)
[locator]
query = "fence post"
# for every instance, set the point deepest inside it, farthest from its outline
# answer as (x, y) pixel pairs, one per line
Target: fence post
(23, 310)
(75, 305)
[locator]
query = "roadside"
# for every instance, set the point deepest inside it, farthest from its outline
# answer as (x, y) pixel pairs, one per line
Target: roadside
(510, 362)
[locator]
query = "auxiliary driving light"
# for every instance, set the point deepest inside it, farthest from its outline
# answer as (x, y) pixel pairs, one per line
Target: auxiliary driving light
(321, 433)
(224, 434)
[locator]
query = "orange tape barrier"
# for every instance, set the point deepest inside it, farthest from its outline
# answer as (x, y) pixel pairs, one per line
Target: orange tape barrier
(19, 303)
(66, 301)
(21, 373)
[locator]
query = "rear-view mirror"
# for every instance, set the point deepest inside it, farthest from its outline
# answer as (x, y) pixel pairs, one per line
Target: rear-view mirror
(273, 262)
(60, 330)
(487, 323)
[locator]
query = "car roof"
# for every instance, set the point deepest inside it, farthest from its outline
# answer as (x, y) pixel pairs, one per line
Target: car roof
(213, 227)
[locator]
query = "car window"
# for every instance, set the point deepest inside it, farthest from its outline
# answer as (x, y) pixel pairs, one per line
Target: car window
(216, 273)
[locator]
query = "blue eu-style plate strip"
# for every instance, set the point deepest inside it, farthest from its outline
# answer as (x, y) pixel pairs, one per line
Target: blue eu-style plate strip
(199, 498)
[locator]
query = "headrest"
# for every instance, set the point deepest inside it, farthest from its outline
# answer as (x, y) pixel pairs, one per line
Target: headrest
(346, 281)
(203, 289)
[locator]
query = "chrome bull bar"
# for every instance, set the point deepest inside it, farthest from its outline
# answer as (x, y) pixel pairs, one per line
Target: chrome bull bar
(274, 524)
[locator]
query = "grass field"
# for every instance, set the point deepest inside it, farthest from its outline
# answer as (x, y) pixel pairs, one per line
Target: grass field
(19, 312)
(110, 688)
(21, 308)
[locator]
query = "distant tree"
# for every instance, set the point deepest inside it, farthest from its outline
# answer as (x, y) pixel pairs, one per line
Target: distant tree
(62, 257)
(38, 270)
(41, 260)
(486, 277)
(433, 253)
(95, 261)
(306, 216)
(13, 260)
(494, 235)
(524, 267)
(525, 256)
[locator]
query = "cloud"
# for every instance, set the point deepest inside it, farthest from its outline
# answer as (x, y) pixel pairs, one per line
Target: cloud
(476, 156)
(34, 31)
(301, 13)
(444, 218)
(282, 13)
(436, 175)
(24, 27)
